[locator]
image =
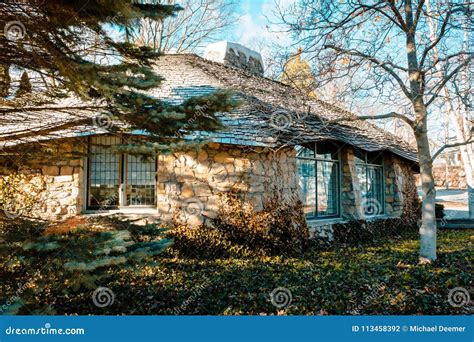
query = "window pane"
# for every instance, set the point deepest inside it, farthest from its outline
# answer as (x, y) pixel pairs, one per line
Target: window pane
(104, 172)
(327, 178)
(361, 172)
(140, 188)
(306, 151)
(375, 189)
(307, 185)
(359, 155)
(371, 186)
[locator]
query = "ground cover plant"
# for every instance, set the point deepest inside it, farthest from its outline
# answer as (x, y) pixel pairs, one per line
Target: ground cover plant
(373, 278)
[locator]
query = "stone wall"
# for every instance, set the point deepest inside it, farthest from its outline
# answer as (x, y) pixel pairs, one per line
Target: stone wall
(58, 167)
(399, 191)
(350, 187)
(456, 177)
(396, 185)
(189, 183)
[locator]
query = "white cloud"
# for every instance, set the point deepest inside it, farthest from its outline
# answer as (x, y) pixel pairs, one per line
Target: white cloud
(261, 26)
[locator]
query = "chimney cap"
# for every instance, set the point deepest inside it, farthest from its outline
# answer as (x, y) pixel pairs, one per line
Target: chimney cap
(235, 55)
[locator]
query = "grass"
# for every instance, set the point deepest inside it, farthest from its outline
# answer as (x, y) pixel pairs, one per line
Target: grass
(370, 279)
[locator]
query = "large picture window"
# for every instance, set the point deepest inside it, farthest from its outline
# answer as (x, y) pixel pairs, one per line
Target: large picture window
(117, 179)
(369, 172)
(318, 172)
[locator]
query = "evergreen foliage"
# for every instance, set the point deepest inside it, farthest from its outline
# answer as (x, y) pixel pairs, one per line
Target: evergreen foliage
(72, 46)
(78, 253)
(89, 250)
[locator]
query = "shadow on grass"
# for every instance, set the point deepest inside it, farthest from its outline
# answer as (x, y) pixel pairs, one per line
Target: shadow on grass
(369, 279)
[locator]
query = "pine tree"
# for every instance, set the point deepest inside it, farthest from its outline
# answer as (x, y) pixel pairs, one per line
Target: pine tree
(69, 263)
(297, 73)
(70, 44)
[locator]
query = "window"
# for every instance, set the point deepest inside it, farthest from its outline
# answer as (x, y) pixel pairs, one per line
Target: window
(318, 173)
(118, 179)
(369, 171)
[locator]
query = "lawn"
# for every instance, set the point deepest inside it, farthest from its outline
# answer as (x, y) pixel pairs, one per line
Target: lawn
(368, 279)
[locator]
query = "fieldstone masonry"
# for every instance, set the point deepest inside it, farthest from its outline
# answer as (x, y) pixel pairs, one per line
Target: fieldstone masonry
(188, 183)
(59, 168)
(455, 179)
(350, 188)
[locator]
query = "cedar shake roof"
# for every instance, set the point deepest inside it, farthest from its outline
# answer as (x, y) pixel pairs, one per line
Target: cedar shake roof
(271, 113)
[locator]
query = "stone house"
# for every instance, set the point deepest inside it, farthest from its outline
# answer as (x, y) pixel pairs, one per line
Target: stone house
(276, 140)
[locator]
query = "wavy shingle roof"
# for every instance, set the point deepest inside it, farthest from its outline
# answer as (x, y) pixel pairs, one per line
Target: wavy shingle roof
(271, 113)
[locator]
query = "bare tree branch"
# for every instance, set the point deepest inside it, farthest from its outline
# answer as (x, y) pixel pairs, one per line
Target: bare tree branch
(392, 115)
(441, 149)
(384, 65)
(447, 78)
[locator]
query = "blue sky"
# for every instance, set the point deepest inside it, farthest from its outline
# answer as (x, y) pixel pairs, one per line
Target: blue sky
(253, 23)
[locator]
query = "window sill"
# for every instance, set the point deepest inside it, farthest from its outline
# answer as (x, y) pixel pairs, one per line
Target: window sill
(378, 217)
(124, 210)
(314, 222)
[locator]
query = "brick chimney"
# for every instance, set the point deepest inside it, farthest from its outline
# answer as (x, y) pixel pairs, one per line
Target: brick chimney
(235, 55)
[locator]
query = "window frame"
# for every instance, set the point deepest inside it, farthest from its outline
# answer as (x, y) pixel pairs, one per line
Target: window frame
(368, 165)
(122, 176)
(337, 161)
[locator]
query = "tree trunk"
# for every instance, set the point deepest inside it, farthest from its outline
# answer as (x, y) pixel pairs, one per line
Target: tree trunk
(428, 223)
(428, 213)
(415, 76)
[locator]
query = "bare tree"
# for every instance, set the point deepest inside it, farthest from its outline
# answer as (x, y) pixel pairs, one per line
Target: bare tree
(457, 110)
(387, 50)
(198, 23)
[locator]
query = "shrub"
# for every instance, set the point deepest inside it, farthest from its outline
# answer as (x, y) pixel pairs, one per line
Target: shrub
(20, 194)
(359, 232)
(367, 232)
(280, 228)
(75, 259)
